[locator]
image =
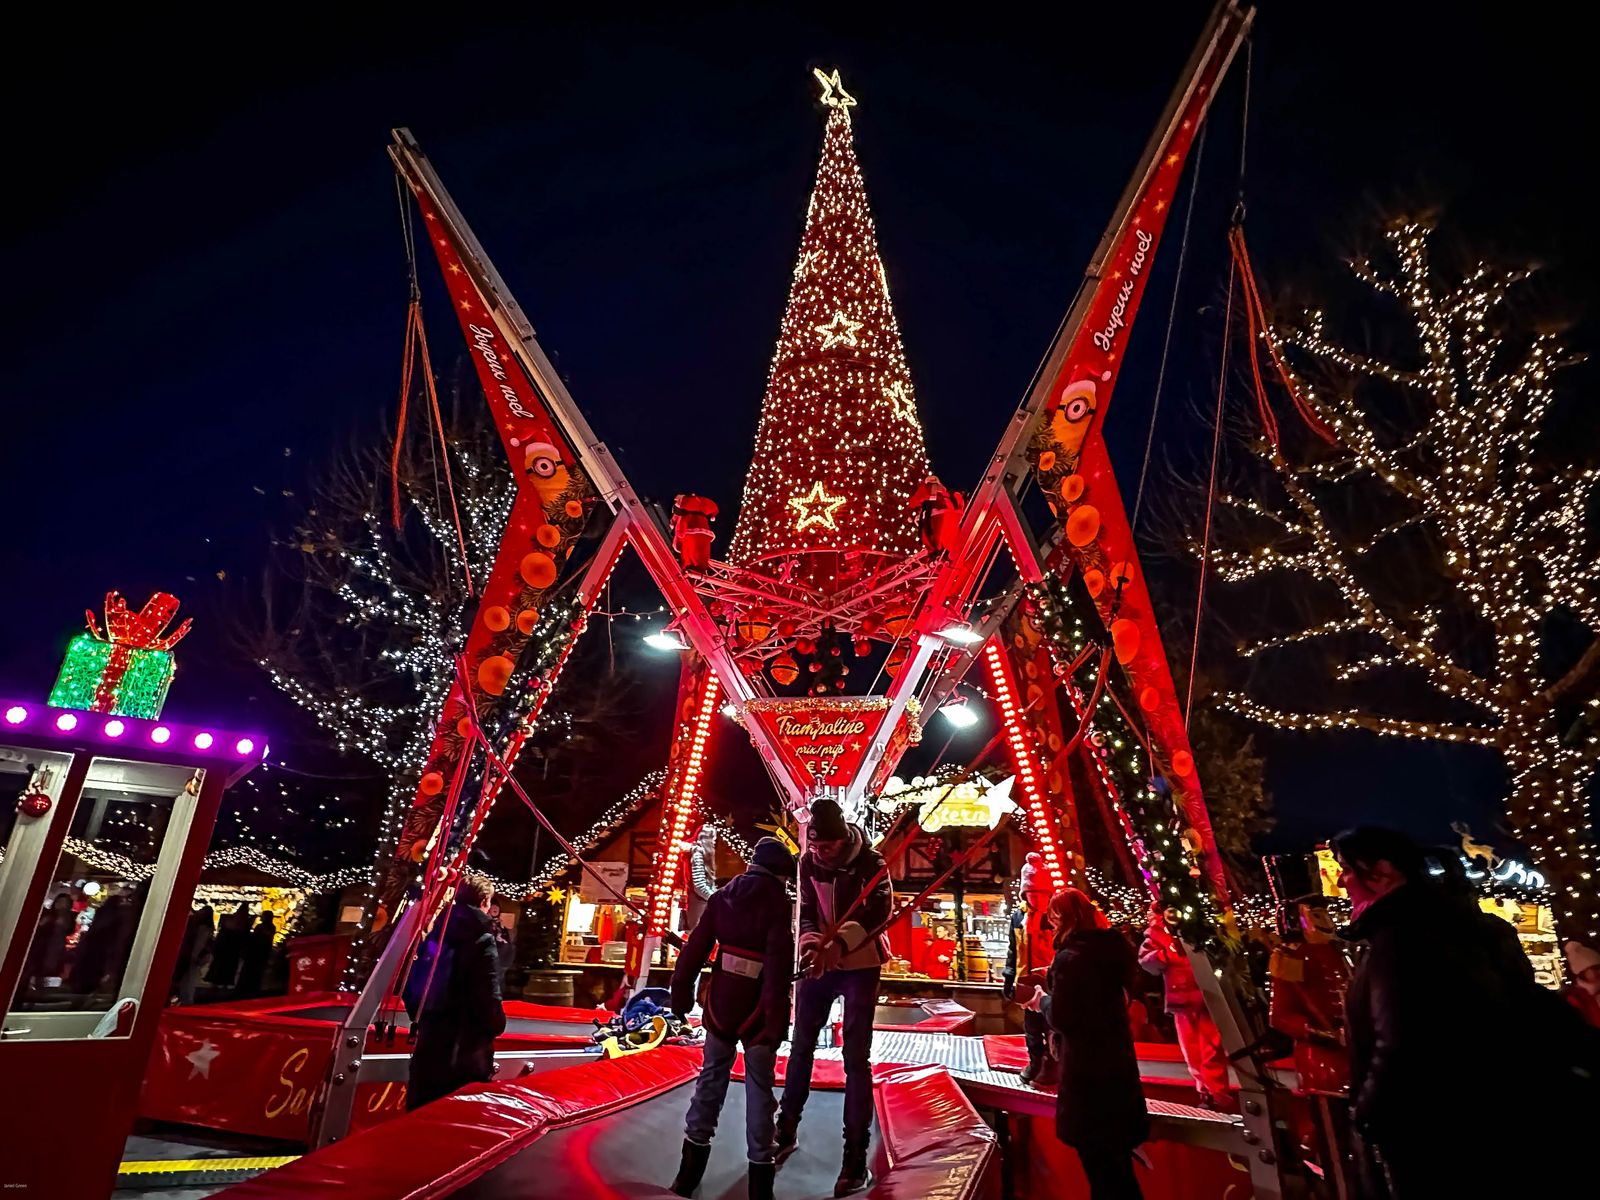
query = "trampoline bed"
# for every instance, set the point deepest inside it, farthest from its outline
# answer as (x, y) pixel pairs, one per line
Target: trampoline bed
(634, 1152)
(612, 1128)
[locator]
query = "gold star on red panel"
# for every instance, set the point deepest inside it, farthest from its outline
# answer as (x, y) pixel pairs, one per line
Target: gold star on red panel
(816, 508)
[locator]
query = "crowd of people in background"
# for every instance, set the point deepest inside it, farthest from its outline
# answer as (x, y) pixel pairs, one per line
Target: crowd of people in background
(1411, 1029)
(83, 938)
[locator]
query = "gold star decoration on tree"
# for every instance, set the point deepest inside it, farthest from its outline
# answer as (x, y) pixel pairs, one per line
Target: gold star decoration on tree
(816, 508)
(841, 331)
(899, 395)
(555, 895)
(833, 93)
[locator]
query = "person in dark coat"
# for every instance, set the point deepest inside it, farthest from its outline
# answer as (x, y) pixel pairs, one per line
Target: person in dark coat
(460, 1013)
(253, 956)
(198, 937)
(1100, 1109)
(47, 953)
(1441, 1003)
(103, 947)
(841, 957)
(749, 923)
(233, 930)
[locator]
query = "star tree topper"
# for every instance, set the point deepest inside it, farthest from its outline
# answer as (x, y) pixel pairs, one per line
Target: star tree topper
(816, 507)
(833, 93)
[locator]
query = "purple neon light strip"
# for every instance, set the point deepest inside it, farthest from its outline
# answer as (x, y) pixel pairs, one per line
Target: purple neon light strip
(57, 722)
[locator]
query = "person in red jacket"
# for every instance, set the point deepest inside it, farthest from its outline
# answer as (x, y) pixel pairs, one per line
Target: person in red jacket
(748, 1002)
(1164, 955)
(1310, 975)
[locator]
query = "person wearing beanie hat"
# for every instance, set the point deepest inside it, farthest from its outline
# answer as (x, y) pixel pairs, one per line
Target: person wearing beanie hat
(1028, 957)
(748, 921)
(845, 902)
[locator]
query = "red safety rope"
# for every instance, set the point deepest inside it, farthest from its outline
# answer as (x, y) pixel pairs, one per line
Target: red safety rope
(408, 359)
(1271, 427)
(416, 345)
(1261, 330)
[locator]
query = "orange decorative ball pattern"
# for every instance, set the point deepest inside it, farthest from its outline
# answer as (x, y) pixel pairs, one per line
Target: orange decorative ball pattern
(1124, 640)
(496, 617)
(1083, 525)
(527, 619)
(548, 536)
(1183, 763)
(494, 673)
(1149, 699)
(431, 783)
(574, 508)
(1072, 487)
(1094, 581)
(538, 569)
(1047, 460)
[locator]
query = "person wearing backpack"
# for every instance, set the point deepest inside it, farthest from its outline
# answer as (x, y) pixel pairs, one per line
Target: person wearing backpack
(453, 997)
(747, 1002)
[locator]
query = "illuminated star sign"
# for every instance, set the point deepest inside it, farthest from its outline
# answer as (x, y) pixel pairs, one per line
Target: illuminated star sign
(899, 395)
(841, 331)
(816, 507)
(833, 93)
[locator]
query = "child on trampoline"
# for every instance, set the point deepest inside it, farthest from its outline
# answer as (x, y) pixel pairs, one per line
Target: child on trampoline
(749, 920)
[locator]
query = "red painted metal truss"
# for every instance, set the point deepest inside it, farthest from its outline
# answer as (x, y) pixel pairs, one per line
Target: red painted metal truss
(566, 475)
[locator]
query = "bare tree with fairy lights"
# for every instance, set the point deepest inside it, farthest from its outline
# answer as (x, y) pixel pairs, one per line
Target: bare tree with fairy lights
(375, 611)
(1437, 555)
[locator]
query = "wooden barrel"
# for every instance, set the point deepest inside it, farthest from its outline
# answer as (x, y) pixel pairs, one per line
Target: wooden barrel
(548, 987)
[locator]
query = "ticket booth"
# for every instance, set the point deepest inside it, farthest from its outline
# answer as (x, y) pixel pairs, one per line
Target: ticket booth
(104, 820)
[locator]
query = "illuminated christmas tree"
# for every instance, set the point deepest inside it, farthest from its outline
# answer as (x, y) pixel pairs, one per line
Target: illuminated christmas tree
(1445, 557)
(839, 448)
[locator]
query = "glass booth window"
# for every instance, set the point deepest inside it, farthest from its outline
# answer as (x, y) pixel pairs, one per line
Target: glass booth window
(102, 912)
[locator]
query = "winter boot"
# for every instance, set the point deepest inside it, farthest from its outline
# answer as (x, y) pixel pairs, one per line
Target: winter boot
(853, 1175)
(1031, 1071)
(787, 1138)
(692, 1169)
(761, 1178)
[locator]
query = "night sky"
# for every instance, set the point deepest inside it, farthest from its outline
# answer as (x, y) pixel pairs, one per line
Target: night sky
(205, 266)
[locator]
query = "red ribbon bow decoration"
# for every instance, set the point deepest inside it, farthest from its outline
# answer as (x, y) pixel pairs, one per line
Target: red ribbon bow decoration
(129, 631)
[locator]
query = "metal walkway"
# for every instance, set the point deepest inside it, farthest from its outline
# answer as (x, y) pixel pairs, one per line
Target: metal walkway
(964, 1057)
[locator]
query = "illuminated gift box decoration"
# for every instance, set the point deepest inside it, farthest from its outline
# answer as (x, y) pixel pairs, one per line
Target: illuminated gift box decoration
(127, 669)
